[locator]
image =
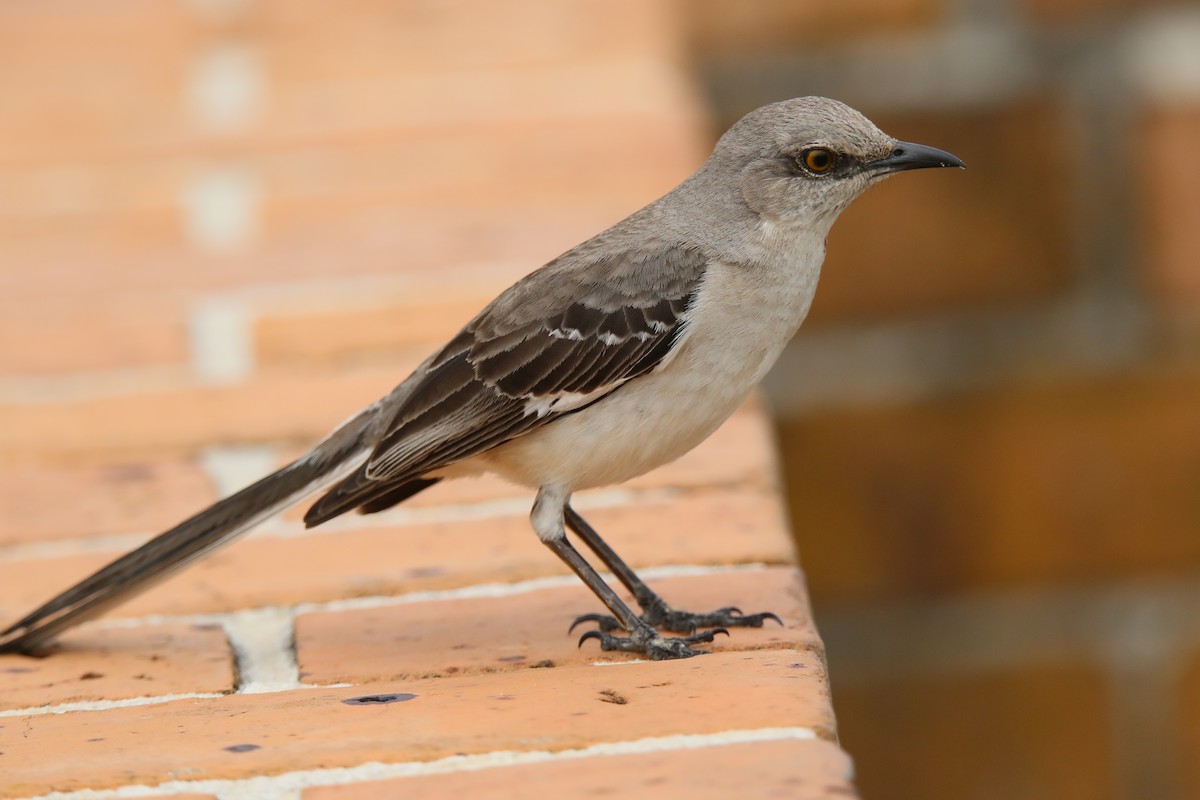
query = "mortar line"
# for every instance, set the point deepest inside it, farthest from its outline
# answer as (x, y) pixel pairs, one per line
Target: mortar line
(263, 644)
(105, 705)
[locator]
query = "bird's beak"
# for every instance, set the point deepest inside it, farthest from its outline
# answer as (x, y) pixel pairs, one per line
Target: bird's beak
(906, 155)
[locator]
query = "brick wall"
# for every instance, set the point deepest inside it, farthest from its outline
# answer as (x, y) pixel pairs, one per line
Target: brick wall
(991, 423)
(210, 207)
(227, 224)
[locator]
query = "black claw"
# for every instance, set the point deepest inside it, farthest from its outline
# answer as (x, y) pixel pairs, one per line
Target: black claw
(607, 623)
(592, 635)
(740, 620)
(754, 620)
(687, 622)
(706, 636)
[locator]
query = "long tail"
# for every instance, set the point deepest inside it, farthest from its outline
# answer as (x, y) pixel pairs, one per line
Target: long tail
(218, 525)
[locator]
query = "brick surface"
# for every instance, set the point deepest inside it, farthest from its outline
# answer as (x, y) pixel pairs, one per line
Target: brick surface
(1185, 707)
(793, 769)
(518, 632)
(47, 340)
(102, 77)
(531, 710)
(1046, 727)
(190, 417)
(102, 152)
(425, 172)
(441, 555)
(403, 162)
(1171, 189)
(720, 30)
(118, 663)
(410, 41)
(334, 162)
(989, 236)
(1022, 484)
(332, 334)
(106, 497)
(66, 273)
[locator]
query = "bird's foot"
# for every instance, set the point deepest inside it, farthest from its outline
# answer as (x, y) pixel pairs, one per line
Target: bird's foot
(647, 641)
(663, 617)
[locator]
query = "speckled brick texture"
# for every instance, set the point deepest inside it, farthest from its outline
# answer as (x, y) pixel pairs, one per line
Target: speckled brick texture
(239, 223)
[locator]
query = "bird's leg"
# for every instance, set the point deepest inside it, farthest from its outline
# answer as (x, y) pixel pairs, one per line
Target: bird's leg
(547, 518)
(655, 610)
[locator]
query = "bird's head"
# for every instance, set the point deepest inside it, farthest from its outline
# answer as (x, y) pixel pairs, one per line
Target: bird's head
(805, 160)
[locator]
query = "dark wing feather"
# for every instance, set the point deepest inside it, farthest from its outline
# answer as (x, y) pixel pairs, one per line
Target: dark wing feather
(567, 335)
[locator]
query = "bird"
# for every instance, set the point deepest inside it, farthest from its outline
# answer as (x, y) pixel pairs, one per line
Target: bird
(614, 358)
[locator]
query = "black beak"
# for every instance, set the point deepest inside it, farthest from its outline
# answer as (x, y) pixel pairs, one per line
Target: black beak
(906, 155)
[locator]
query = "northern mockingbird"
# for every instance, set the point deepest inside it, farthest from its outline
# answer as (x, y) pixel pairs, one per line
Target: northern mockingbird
(616, 357)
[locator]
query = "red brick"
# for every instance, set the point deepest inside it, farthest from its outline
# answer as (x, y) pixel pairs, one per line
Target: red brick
(66, 279)
(542, 710)
(1186, 705)
(335, 334)
(800, 770)
(1171, 189)
(1079, 480)
(277, 405)
(106, 497)
(100, 211)
(446, 65)
(426, 177)
(119, 663)
(333, 160)
(724, 31)
(78, 78)
(404, 190)
(410, 34)
(398, 52)
(741, 527)
(46, 340)
(455, 637)
(1037, 732)
(509, 135)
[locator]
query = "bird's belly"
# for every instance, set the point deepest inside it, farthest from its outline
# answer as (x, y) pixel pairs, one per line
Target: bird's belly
(639, 427)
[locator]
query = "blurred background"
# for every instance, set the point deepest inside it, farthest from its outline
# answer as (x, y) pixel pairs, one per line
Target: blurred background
(990, 425)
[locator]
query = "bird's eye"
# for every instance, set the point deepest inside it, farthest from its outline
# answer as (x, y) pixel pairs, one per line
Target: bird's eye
(818, 160)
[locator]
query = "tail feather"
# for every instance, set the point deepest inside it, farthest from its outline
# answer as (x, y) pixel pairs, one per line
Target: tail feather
(218, 525)
(396, 495)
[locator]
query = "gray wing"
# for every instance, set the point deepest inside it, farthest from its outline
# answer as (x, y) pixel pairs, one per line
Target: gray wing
(560, 339)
